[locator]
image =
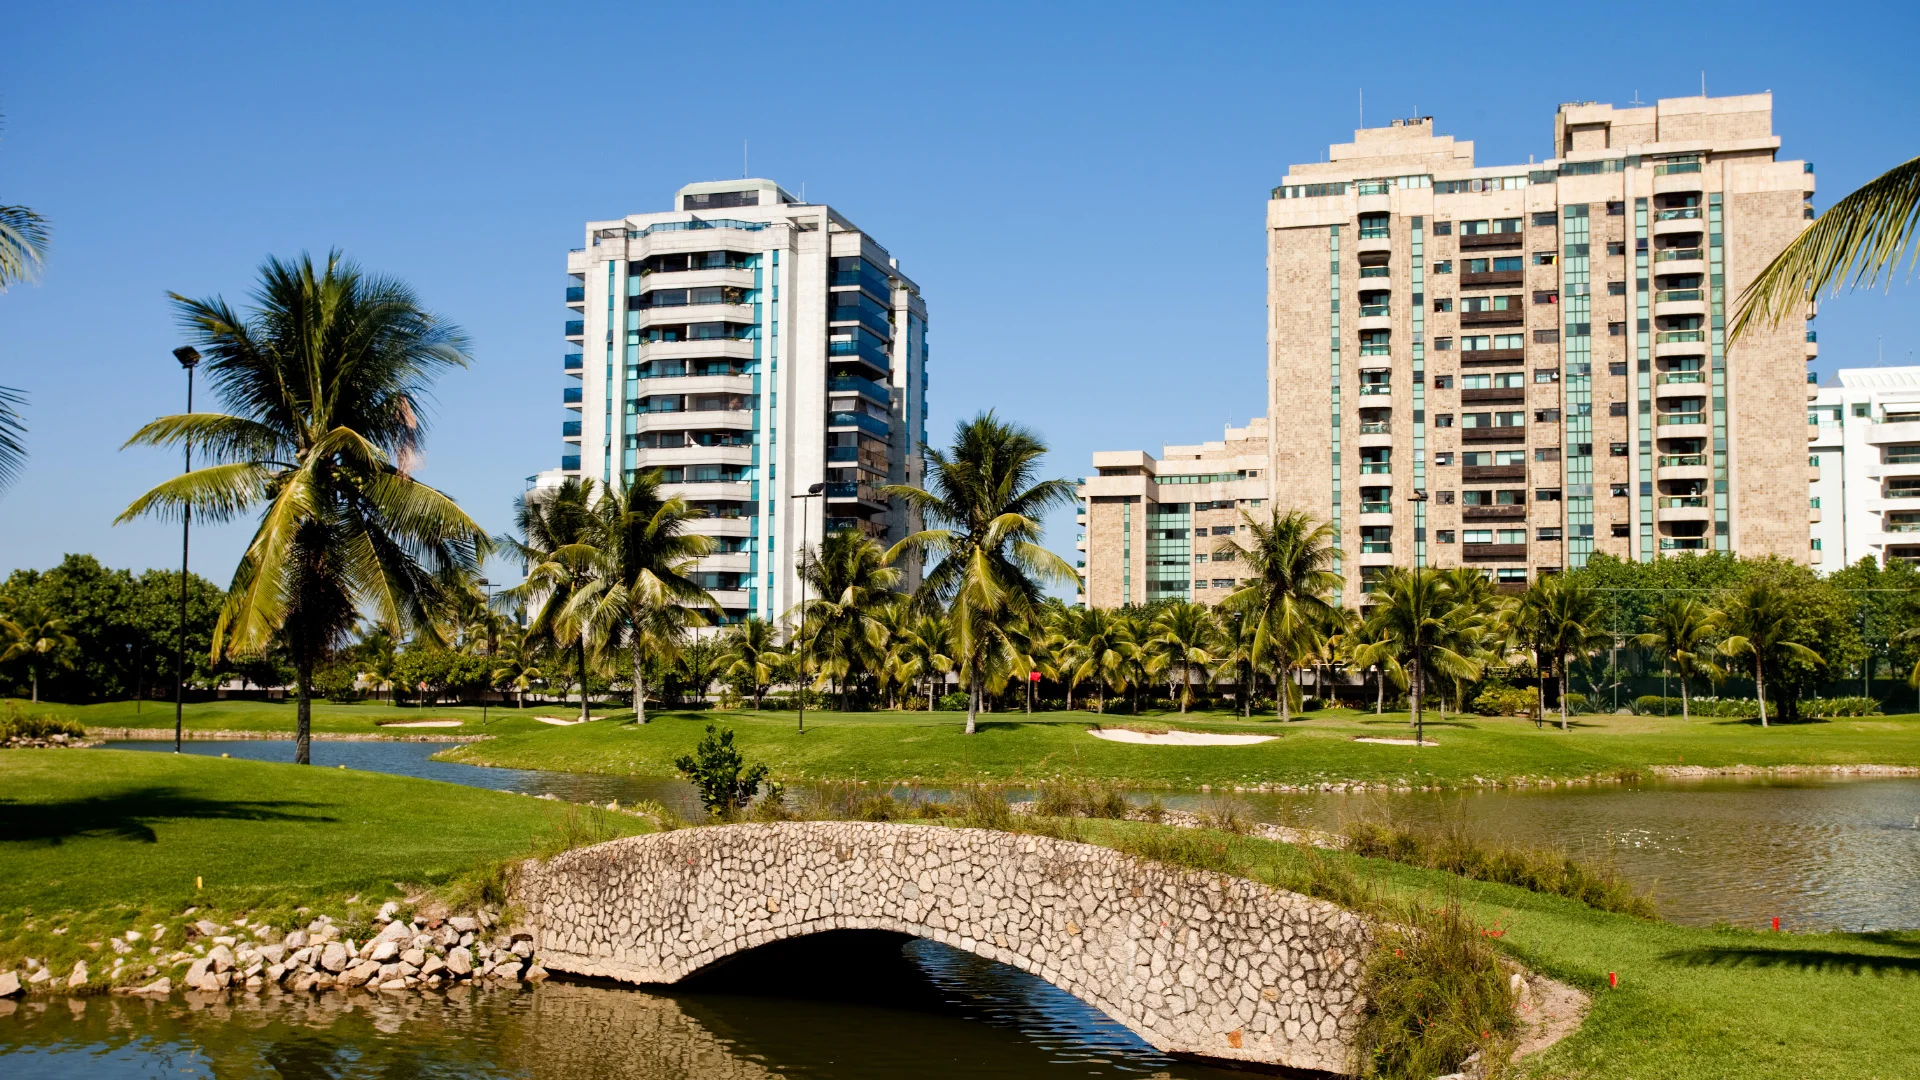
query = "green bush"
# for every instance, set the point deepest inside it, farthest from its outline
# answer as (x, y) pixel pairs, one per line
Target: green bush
(1718, 707)
(1577, 702)
(17, 723)
(1841, 706)
(337, 682)
(721, 775)
(954, 702)
(1507, 701)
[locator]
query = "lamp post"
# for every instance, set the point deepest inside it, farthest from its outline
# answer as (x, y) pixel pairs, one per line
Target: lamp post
(814, 491)
(189, 358)
(487, 690)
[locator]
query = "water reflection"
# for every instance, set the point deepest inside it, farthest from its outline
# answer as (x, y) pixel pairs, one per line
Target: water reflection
(1820, 854)
(880, 1007)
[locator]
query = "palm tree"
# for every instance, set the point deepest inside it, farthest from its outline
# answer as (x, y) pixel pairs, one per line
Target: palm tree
(1238, 631)
(751, 655)
(516, 664)
(984, 504)
(851, 582)
(638, 593)
(1361, 639)
(1103, 651)
(1561, 617)
(557, 543)
(1860, 236)
(1761, 622)
(378, 654)
(38, 637)
(1419, 624)
(1186, 634)
(23, 251)
(1681, 630)
(921, 649)
(1289, 595)
(325, 381)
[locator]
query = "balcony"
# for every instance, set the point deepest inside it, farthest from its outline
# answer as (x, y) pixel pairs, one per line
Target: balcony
(1494, 552)
(570, 463)
(1477, 241)
(1493, 513)
(1474, 474)
(1679, 302)
(1680, 419)
(846, 491)
(1376, 468)
(1495, 394)
(1515, 433)
(1683, 543)
(576, 328)
(570, 363)
(861, 349)
(1677, 378)
(1376, 428)
(1514, 315)
(1683, 467)
(1674, 502)
(1376, 508)
(872, 425)
(1680, 337)
(1675, 168)
(1678, 213)
(1685, 220)
(1376, 547)
(1666, 392)
(571, 395)
(867, 388)
(1375, 389)
(1373, 311)
(1492, 356)
(570, 429)
(576, 294)
(1689, 260)
(1492, 277)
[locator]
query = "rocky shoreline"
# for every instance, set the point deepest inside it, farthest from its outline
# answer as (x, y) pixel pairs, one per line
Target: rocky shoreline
(415, 955)
(132, 734)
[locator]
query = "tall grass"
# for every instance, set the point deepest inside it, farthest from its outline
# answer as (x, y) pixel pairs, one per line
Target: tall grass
(1436, 995)
(1453, 849)
(1080, 798)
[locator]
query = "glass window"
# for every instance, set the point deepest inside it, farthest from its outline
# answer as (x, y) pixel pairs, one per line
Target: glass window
(1510, 380)
(1546, 495)
(1443, 228)
(1546, 453)
(1443, 266)
(1509, 457)
(1443, 536)
(1474, 228)
(1510, 262)
(1443, 458)
(1545, 375)
(1476, 382)
(1513, 536)
(1506, 225)
(1544, 258)
(1478, 536)
(1374, 226)
(1442, 382)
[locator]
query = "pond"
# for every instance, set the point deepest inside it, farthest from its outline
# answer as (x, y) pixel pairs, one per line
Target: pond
(1817, 854)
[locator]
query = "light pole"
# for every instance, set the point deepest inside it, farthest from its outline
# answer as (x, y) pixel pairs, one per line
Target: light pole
(487, 690)
(814, 491)
(189, 358)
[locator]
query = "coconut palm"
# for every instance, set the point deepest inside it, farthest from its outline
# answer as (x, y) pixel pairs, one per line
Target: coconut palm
(1238, 631)
(1859, 237)
(1103, 651)
(1761, 622)
(1560, 616)
(516, 664)
(36, 637)
(1029, 652)
(1187, 635)
(379, 656)
(325, 382)
(918, 649)
(752, 655)
(639, 594)
(850, 583)
(23, 251)
(984, 502)
(1681, 629)
(1289, 595)
(557, 542)
(1419, 624)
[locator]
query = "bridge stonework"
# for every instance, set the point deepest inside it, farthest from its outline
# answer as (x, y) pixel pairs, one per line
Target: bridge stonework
(1194, 963)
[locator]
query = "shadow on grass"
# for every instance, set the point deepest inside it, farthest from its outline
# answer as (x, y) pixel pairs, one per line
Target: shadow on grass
(1820, 960)
(125, 815)
(1449, 722)
(1754, 721)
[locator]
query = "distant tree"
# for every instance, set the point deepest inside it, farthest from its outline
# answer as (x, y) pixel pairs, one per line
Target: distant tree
(1562, 617)
(1186, 634)
(37, 638)
(1763, 625)
(1289, 595)
(720, 774)
(1681, 631)
(1418, 623)
(751, 657)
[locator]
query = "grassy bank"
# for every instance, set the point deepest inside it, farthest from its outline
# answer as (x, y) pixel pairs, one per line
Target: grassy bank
(1012, 747)
(277, 717)
(96, 842)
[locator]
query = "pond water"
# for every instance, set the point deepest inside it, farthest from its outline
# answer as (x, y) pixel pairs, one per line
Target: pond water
(1817, 854)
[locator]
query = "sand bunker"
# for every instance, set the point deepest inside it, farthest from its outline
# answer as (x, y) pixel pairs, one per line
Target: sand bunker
(557, 721)
(1177, 738)
(426, 723)
(1395, 742)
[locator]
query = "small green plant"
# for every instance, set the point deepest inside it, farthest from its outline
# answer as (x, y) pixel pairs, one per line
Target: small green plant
(18, 723)
(1507, 701)
(716, 769)
(954, 702)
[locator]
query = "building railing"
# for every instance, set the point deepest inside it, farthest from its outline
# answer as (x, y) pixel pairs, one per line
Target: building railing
(1675, 168)
(1375, 388)
(1677, 254)
(570, 463)
(1672, 378)
(1669, 419)
(1902, 527)
(1675, 296)
(571, 361)
(696, 223)
(1376, 547)
(1813, 337)
(1371, 311)
(1674, 461)
(1678, 213)
(854, 384)
(1376, 428)
(1682, 502)
(1672, 337)
(872, 425)
(1684, 543)
(570, 395)
(1376, 508)
(1901, 493)
(1375, 468)
(1376, 350)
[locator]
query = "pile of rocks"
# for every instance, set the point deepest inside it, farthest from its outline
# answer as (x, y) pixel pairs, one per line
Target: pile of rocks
(417, 954)
(34, 742)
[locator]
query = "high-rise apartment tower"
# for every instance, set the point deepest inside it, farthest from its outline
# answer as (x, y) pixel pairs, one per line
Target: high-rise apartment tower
(748, 346)
(1515, 367)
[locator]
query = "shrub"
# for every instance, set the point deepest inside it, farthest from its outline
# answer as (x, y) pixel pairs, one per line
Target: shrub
(724, 779)
(1730, 708)
(1080, 798)
(1841, 706)
(1436, 994)
(788, 699)
(954, 702)
(1536, 870)
(339, 683)
(913, 703)
(1507, 701)
(17, 723)
(1577, 702)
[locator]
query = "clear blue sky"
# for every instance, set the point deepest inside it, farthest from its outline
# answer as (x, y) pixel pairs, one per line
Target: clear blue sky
(1079, 189)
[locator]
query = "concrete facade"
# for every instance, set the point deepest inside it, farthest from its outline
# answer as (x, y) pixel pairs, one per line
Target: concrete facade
(1514, 367)
(1148, 526)
(1864, 467)
(748, 345)
(1194, 963)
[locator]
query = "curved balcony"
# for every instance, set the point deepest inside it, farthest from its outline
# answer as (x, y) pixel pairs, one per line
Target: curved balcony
(1671, 386)
(1690, 260)
(641, 318)
(1682, 467)
(1680, 302)
(1493, 513)
(1379, 321)
(679, 456)
(1374, 435)
(704, 349)
(1685, 508)
(1677, 183)
(710, 490)
(738, 277)
(730, 419)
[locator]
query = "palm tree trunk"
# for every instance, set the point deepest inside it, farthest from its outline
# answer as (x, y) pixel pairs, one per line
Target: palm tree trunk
(1282, 690)
(973, 706)
(303, 722)
(1186, 696)
(1684, 716)
(930, 688)
(1379, 691)
(1760, 687)
(639, 687)
(1561, 663)
(1418, 684)
(583, 678)
(35, 672)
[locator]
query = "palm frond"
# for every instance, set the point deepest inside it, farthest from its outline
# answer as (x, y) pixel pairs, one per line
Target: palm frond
(24, 238)
(13, 436)
(215, 493)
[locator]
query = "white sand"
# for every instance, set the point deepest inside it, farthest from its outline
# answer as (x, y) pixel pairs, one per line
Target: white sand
(426, 723)
(1177, 738)
(1397, 742)
(558, 722)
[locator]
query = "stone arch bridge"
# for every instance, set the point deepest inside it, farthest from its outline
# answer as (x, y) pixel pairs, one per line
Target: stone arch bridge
(1194, 963)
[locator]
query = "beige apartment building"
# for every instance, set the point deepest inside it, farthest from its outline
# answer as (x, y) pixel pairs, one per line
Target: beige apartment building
(1152, 529)
(1514, 367)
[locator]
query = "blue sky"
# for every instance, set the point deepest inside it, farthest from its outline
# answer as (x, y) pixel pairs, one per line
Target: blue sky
(1079, 189)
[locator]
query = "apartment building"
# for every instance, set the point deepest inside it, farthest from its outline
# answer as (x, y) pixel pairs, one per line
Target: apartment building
(1152, 529)
(1514, 367)
(748, 345)
(1864, 458)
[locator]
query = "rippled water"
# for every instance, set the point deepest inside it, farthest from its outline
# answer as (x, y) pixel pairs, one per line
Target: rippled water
(1819, 854)
(849, 1011)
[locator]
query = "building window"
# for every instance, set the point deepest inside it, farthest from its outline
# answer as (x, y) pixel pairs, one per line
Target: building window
(1445, 536)
(1621, 530)
(1616, 288)
(1443, 305)
(1616, 209)
(1443, 266)
(1545, 258)
(1443, 420)
(1445, 457)
(1546, 296)
(1816, 543)
(1546, 375)
(1546, 416)
(1545, 219)
(1616, 247)
(1547, 534)
(1546, 495)
(1618, 449)
(1443, 344)
(1618, 491)
(1374, 226)
(1445, 498)
(1546, 453)
(1618, 367)
(1546, 337)
(1443, 382)
(1862, 410)
(1617, 329)
(1443, 228)
(1616, 408)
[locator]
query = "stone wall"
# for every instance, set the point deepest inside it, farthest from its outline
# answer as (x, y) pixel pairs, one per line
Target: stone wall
(1194, 963)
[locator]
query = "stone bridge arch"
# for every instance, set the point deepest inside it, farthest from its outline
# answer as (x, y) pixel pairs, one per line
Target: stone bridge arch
(1194, 963)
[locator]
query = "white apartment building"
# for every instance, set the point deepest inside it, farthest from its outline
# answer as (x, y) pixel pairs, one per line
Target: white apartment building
(748, 345)
(1864, 449)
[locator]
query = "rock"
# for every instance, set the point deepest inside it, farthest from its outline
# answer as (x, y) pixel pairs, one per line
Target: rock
(414, 957)
(208, 983)
(394, 984)
(40, 976)
(359, 973)
(387, 911)
(161, 987)
(433, 967)
(9, 984)
(535, 973)
(254, 982)
(221, 958)
(276, 973)
(394, 931)
(205, 928)
(119, 946)
(134, 935)
(334, 956)
(464, 924)
(273, 954)
(460, 961)
(384, 951)
(228, 940)
(523, 946)
(296, 940)
(79, 976)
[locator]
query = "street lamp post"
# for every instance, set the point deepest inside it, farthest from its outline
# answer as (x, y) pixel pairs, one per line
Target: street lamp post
(814, 491)
(487, 690)
(189, 358)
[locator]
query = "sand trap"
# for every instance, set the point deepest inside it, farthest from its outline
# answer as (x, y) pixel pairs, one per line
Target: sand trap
(557, 722)
(1177, 738)
(426, 723)
(1395, 742)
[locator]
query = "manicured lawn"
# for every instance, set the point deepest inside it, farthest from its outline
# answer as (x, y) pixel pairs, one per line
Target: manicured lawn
(933, 747)
(1691, 1002)
(111, 835)
(278, 717)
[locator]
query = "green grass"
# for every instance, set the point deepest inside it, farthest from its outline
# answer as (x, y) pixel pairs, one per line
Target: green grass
(1012, 747)
(1692, 1003)
(278, 717)
(100, 841)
